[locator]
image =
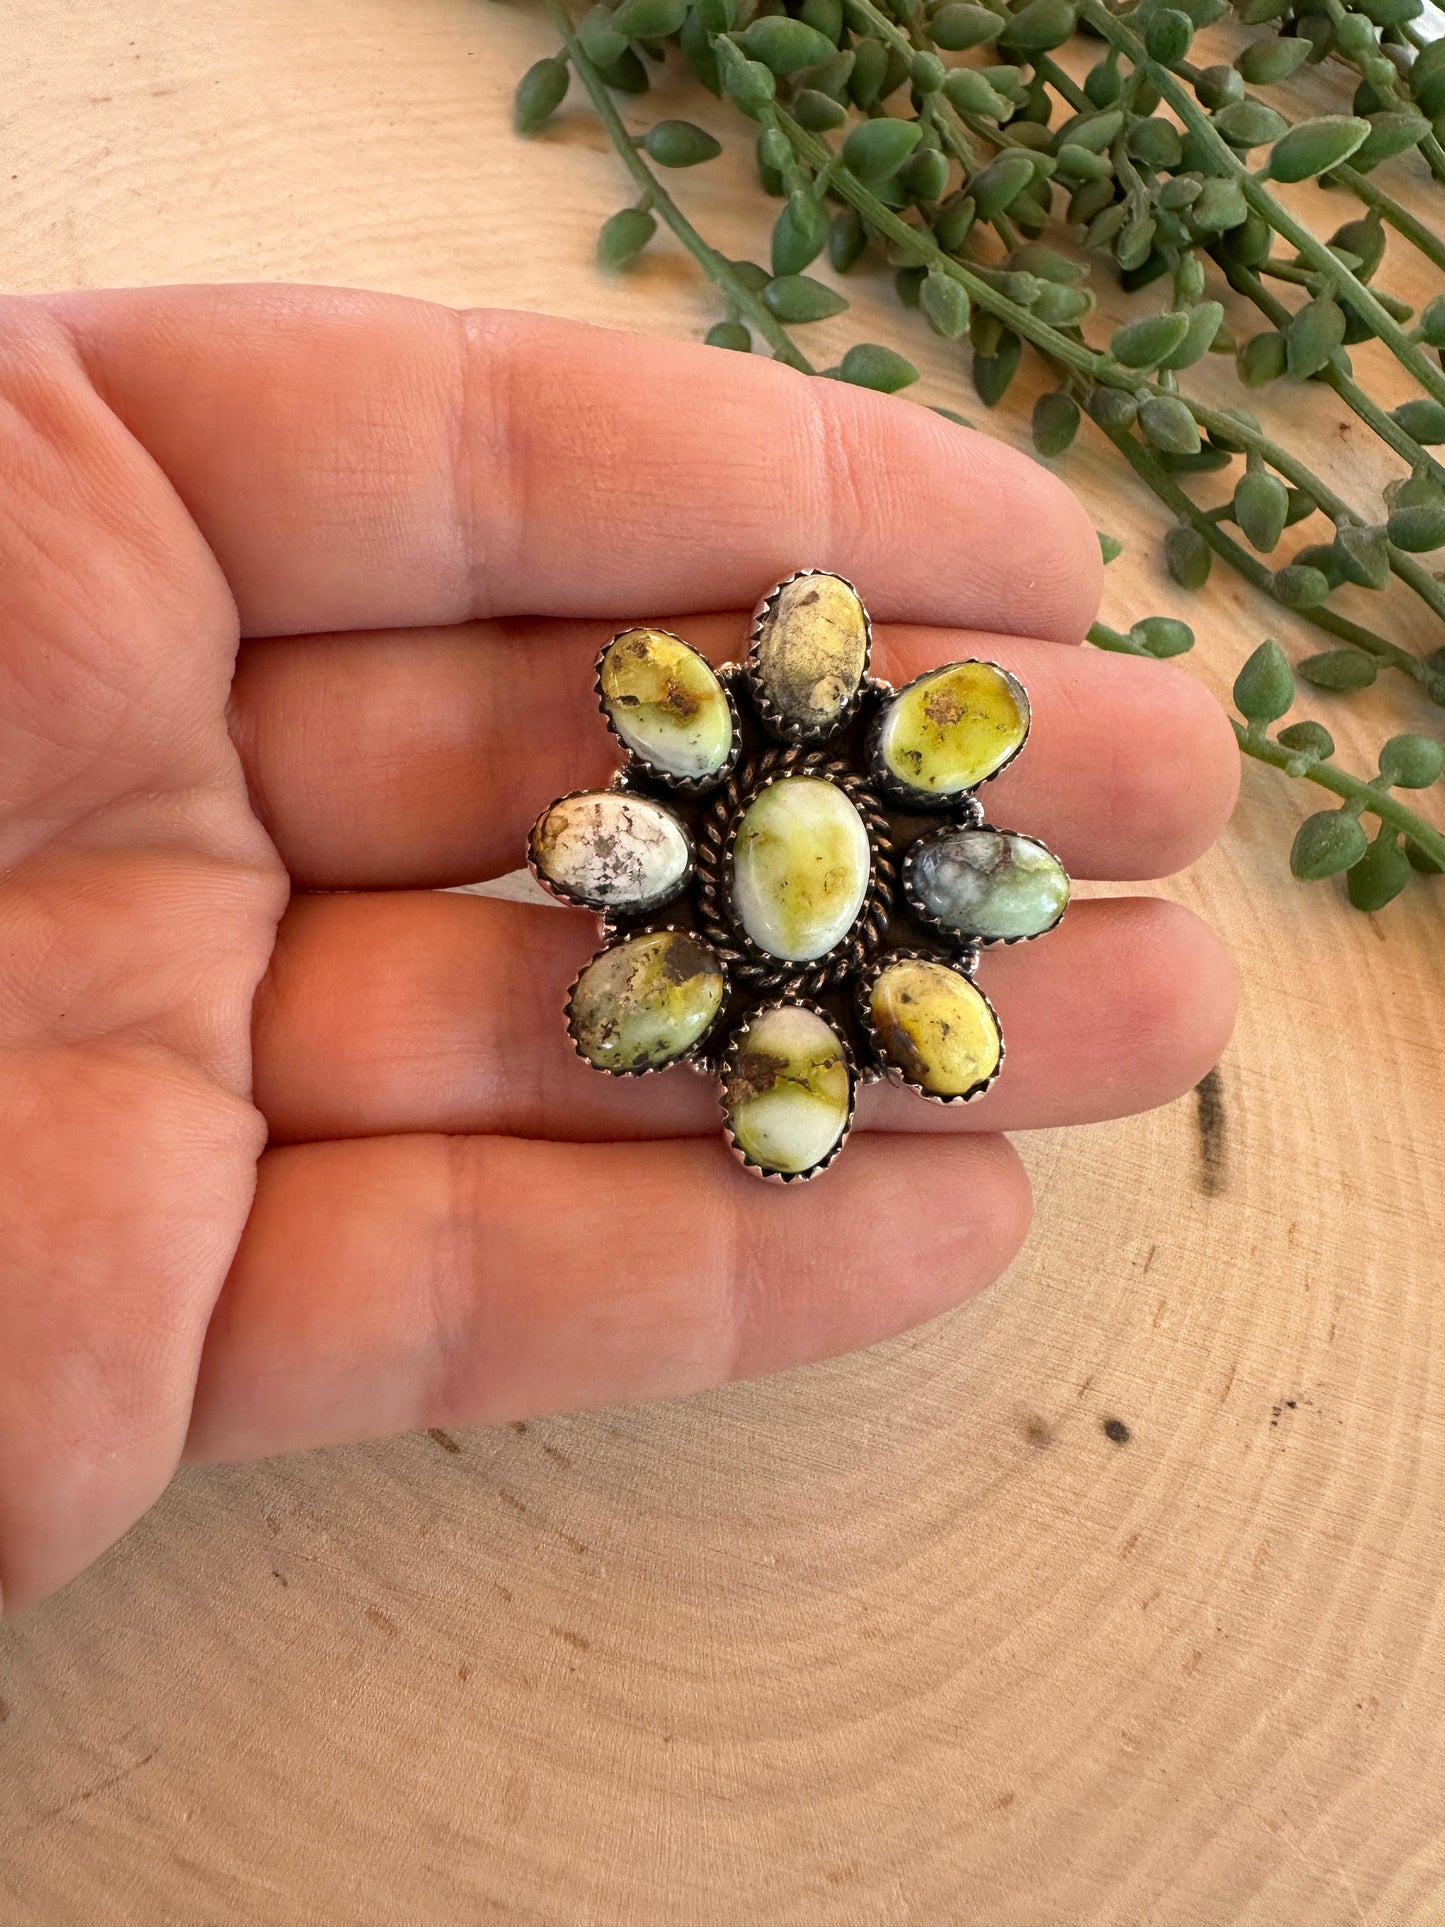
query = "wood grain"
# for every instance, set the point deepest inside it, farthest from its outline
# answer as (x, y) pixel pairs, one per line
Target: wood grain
(1114, 1599)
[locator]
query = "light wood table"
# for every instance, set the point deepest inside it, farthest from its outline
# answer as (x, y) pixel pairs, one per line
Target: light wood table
(901, 1639)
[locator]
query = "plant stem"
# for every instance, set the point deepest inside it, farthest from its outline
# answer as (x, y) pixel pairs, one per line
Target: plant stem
(1352, 789)
(715, 265)
(1147, 465)
(1331, 269)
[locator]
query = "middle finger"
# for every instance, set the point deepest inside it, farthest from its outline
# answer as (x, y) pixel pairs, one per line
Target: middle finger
(415, 758)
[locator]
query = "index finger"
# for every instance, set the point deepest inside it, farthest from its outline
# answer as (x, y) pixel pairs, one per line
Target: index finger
(363, 461)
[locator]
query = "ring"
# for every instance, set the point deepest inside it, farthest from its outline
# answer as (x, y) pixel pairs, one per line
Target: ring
(793, 874)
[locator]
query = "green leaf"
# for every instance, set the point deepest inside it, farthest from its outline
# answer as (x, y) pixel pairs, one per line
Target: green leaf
(1309, 739)
(1381, 873)
(1147, 342)
(1364, 556)
(1272, 59)
(945, 302)
(1390, 134)
(1110, 547)
(924, 175)
(1262, 359)
(967, 92)
(624, 235)
(800, 233)
(1250, 123)
(1312, 336)
(539, 94)
(753, 277)
(1327, 843)
(1205, 322)
(1299, 586)
(1155, 142)
(1313, 147)
(1163, 636)
(601, 42)
(1187, 556)
(797, 298)
(1039, 26)
(1113, 409)
(1167, 34)
(1168, 425)
(867, 365)
(926, 73)
(749, 85)
(1220, 206)
(1418, 527)
(1264, 687)
(1340, 669)
(957, 27)
(993, 373)
(1422, 421)
(847, 238)
(1412, 762)
(996, 187)
(1365, 239)
(680, 143)
(817, 112)
(870, 70)
(1431, 326)
(877, 148)
(648, 19)
(1261, 506)
(729, 334)
(783, 45)
(1055, 422)
(826, 16)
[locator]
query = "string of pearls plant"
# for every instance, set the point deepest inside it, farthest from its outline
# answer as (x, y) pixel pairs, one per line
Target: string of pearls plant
(953, 138)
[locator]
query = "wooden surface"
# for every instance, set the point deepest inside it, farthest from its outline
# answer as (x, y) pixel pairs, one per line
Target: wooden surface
(902, 1639)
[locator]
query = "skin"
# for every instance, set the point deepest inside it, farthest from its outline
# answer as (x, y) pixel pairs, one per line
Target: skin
(298, 594)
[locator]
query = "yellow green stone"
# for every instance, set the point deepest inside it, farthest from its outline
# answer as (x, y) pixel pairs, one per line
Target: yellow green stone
(788, 1094)
(666, 703)
(954, 728)
(646, 1001)
(811, 651)
(800, 869)
(935, 1026)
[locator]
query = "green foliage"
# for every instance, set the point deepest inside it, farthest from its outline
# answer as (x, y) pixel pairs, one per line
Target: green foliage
(940, 138)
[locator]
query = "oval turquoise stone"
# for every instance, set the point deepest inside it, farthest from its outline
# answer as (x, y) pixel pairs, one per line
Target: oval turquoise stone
(992, 884)
(810, 652)
(801, 867)
(953, 728)
(666, 704)
(788, 1093)
(646, 1001)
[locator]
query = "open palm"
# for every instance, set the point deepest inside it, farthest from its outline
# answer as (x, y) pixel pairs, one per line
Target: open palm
(294, 1147)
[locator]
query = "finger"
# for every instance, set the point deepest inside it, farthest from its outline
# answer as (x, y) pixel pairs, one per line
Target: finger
(400, 1282)
(357, 460)
(421, 758)
(425, 1012)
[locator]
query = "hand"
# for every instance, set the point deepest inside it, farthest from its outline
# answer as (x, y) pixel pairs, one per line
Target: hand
(297, 1152)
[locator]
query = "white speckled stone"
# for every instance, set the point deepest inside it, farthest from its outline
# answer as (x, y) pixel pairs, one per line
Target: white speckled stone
(788, 1095)
(811, 652)
(993, 884)
(612, 850)
(800, 870)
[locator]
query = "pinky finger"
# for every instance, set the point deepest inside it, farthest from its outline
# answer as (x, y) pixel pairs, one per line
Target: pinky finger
(390, 1283)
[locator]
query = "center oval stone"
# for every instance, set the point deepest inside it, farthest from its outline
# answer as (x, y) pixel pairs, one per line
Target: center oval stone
(801, 868)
